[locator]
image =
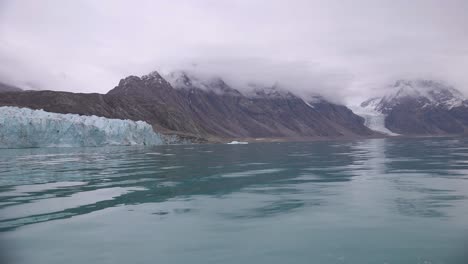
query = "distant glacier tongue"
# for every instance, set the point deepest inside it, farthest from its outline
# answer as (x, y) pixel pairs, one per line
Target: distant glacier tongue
(373, 119)
(26, 128)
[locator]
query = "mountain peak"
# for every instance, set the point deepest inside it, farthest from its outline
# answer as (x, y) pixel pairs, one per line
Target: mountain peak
(179, 79)
(259, 91)
(154, 77)
(142, 86)
(423, 93)
(184, 80)
(187, 80)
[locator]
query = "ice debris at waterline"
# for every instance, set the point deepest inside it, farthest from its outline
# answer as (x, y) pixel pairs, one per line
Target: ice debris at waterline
(237, 143)
(26, 128)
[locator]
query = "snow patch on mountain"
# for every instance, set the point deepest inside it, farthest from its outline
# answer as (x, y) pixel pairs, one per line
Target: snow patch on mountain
(187, 80)
(312, 100)
(154, 77)
(26, 128)
(259, 91)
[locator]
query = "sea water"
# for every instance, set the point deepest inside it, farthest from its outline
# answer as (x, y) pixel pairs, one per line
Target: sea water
(364, 201)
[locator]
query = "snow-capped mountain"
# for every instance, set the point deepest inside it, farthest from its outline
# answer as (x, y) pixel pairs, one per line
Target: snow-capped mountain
(417, 107)
(189, 81)
(425, 93)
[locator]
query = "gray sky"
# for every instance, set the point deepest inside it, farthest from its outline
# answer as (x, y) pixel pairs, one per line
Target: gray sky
(345, 49)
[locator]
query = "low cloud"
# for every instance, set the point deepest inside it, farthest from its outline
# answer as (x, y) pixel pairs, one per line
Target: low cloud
(342, 49)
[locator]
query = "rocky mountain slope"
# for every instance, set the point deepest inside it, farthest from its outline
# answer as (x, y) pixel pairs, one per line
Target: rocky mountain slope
(421, 107)
(208, 108)
(8, 88)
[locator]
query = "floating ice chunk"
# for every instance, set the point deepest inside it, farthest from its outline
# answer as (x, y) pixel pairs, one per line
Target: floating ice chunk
(237, 142)
(26, 128)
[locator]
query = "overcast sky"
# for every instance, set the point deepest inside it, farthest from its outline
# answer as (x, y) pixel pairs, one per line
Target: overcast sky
(340, 48)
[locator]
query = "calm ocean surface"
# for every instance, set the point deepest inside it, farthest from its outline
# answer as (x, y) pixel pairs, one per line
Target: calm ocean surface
(367, 201)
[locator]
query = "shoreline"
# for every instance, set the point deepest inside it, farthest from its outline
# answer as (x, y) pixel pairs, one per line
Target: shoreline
(224, 141)
(319, 139)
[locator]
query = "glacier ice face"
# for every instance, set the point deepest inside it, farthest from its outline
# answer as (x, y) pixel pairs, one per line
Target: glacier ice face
(26, 128)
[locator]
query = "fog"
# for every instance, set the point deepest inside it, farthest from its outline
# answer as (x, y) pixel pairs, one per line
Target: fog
(342, 49)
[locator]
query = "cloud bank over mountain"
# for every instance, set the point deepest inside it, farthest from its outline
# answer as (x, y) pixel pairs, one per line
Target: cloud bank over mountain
(342, 49)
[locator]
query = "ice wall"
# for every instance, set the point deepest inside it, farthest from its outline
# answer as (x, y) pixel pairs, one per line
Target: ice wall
(26, 128)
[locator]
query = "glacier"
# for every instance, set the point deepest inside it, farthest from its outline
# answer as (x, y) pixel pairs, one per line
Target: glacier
(373, 119)
(26, 128)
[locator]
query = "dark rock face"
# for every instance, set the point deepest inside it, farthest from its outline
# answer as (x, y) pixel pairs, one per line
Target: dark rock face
(340, 114)
(423, 108)
(409, 119)
(209, 109)
(9, 88)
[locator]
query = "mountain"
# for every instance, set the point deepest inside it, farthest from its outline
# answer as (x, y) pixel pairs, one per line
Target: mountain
(425, 93)
(9, 88)
(420, 107)
(202, 108)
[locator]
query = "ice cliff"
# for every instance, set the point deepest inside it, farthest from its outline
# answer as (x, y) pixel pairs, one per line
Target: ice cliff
(26, 128)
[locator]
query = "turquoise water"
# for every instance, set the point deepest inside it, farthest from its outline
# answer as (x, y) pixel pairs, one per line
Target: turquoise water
(369, 201)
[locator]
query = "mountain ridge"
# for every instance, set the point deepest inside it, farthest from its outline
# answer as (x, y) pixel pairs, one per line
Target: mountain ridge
(201, 109)
(220, 112)
(4, 88)
(422, 107)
